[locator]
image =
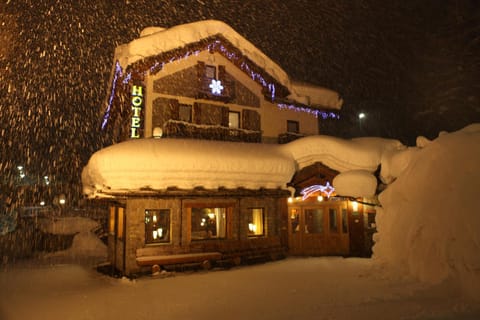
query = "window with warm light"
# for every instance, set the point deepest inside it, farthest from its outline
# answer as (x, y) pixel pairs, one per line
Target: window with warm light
(233, 119)
(157, 226)
(256, 222)
(208, 223)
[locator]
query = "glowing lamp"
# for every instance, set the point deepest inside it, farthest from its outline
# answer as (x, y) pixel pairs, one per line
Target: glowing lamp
(355, 205)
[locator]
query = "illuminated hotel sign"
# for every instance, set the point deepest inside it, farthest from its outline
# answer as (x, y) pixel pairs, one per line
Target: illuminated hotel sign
(136, 102)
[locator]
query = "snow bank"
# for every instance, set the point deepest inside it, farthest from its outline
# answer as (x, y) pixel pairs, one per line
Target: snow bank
(429, 225)
(85, 245)
(66, 225)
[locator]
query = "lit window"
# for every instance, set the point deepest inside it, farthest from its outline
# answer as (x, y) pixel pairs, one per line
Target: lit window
(233, 119)
(208, 223)
(295, 220)
(157, 226)
(256, 222)
(293, 126)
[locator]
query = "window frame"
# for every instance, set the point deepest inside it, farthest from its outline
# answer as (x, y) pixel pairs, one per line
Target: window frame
(168, 224)
(295, 123)
(237, 113)
(206, 229)
(252, 219)
(185, 106)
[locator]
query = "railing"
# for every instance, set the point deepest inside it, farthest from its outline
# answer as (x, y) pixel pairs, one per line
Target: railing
(180, 129)
(288, 136)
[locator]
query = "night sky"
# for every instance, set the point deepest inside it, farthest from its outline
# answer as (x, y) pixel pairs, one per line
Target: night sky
(412, 66)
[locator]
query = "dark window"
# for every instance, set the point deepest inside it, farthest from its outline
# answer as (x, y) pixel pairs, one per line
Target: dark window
(210, 72)
(333, 220)
(157, 226)
(313, 220)
(344, 221)
(293, 126)
(185, 112)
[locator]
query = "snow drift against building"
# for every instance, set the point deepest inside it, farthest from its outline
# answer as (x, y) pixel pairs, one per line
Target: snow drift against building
(429, 222)
(155, 40)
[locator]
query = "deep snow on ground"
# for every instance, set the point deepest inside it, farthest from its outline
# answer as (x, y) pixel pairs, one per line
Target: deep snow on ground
(295, 288)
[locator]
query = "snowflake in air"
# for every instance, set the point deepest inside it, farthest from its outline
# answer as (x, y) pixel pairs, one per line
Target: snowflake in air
(216, 86)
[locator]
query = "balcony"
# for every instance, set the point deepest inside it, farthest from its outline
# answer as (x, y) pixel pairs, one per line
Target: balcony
(181, 129)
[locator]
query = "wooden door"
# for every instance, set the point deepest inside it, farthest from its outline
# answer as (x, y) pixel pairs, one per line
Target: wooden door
(320, 229)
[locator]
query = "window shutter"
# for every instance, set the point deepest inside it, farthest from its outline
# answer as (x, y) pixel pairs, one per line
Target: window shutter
(225, 112)
(251, 120)
(174, 110)
(203, 81)
(197, 113)
(227, 82)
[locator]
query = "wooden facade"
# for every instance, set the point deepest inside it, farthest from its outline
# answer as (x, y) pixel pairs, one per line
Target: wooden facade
(246, 228)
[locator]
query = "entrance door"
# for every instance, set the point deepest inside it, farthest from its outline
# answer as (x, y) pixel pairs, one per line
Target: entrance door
(320, 229)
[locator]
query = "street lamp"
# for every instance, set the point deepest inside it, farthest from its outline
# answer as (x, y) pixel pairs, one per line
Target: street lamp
(361, 116)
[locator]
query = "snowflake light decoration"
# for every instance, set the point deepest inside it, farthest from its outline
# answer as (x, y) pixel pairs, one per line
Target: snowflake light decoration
(216, 86)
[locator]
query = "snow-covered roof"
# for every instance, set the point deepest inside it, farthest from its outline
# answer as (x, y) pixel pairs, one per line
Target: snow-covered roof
(157, 164)
(156, 40)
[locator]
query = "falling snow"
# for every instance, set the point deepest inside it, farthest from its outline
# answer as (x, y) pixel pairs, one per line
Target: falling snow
(384, 58)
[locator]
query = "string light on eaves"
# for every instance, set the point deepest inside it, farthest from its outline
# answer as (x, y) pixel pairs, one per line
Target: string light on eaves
(217, 46)
(315, 112)
(117, 74)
